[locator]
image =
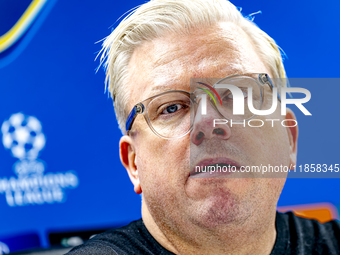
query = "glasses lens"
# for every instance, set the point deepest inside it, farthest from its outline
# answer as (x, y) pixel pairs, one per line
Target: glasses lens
(169, 114)
(242, 88)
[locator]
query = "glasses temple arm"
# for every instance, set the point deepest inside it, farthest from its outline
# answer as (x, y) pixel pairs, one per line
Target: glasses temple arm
(270, 83)
(138, 108)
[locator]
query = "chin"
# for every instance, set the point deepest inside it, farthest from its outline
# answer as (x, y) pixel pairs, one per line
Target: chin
(222, 209)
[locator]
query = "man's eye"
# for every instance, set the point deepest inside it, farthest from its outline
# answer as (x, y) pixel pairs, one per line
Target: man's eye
(172, 108)
(229, 95)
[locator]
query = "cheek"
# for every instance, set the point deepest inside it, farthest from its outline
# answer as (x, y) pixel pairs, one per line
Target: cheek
(162, 163)
(275, 139)
(278, 140)
(266, 144)
(163, 168)
(276, 186)
(269, 191)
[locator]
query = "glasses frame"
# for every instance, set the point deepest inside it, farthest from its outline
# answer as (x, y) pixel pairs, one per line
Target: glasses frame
(141, 108)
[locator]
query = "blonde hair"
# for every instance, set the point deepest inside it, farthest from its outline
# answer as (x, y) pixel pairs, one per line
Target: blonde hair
(157, 17)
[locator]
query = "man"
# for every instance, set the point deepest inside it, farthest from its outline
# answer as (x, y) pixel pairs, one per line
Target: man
(159, 60)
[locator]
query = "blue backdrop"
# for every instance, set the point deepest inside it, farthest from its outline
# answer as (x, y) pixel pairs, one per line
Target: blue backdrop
(53, 109)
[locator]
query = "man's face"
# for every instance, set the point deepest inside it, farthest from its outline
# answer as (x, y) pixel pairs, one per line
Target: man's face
(171, 196)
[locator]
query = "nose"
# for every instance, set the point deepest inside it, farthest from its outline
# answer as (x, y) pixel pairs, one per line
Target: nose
(203, 126)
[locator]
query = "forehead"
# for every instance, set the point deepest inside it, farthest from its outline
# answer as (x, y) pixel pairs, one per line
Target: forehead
(168, 62)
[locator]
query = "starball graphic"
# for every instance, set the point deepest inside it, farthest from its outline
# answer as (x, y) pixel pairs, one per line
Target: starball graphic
(22, 135)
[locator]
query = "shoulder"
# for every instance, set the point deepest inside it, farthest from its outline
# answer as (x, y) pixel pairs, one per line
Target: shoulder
(131, 239)
(305, 236)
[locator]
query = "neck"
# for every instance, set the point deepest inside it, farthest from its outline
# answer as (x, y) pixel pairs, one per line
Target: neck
(252, 237)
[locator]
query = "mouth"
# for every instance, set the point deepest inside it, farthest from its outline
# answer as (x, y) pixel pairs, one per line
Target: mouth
(223, 166)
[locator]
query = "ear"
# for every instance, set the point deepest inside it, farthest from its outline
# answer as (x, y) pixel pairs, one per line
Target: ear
(128, 159)
(292, 131)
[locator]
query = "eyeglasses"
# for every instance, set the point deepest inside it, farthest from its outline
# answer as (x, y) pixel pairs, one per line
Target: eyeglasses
(171, 114)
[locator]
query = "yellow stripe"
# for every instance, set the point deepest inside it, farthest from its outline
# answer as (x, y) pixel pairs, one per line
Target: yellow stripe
(22, 24)
(207, 91)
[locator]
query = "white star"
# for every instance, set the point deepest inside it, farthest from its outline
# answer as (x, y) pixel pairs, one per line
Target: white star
(16, 119)
(34, 124)
(7, 140)
(21, 135)
(18, 152)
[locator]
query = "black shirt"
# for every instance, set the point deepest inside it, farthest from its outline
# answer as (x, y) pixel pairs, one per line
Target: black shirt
(295, 235)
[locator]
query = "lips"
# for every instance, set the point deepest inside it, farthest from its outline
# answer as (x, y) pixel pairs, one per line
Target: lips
(220, 161)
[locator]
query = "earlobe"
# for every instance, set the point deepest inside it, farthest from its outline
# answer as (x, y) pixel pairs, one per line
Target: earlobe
(128, 159)
(292, 130)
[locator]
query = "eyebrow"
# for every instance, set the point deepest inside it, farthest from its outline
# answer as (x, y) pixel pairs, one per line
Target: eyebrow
(172, 86)
(157, 90)
(161, 88)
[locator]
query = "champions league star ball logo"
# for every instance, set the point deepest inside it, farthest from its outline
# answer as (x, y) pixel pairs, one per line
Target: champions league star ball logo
(23, 136)
(4, 248)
